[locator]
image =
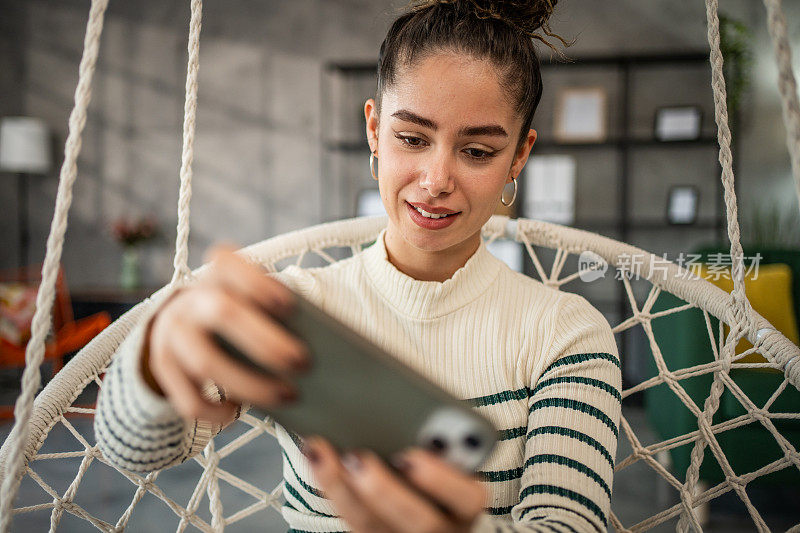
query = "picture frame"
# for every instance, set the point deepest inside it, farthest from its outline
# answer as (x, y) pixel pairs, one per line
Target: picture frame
(678, 123)
(550, 188)
(683, 203)
(580, 115)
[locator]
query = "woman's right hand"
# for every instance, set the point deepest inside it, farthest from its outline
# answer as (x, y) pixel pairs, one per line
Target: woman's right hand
(240, 302)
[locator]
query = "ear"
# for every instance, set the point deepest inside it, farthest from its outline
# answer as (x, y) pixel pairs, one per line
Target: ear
(371, 116)
(521, 157)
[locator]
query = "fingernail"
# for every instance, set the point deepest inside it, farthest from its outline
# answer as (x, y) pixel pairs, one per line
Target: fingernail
(401, 463)
(352, 462)
(288, 395)
(301, 364)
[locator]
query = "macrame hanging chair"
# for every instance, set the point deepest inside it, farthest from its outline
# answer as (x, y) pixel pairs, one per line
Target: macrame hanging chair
(36, 418)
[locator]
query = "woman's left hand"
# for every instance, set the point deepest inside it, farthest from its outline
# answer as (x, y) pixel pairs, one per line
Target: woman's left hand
(432, 497)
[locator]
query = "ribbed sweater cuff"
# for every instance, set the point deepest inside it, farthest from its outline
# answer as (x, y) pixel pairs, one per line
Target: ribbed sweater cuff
(150, 404)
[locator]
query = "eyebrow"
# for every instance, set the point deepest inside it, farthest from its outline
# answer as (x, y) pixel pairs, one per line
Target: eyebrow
(467, 131)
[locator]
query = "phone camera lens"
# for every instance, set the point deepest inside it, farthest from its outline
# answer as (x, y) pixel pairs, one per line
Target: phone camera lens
(437, 444)
(472, 441)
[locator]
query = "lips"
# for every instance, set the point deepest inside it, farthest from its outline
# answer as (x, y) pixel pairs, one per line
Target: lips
(430, 223)
(432, 209)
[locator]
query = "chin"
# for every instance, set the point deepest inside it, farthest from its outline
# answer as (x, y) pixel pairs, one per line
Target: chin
(434, 241)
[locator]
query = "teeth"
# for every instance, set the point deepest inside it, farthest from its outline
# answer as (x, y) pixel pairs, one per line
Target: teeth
(429, 215)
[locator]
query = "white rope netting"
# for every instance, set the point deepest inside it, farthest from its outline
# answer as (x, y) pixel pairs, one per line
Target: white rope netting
(35, 419)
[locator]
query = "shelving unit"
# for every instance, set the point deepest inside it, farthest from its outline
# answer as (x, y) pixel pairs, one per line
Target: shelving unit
(629, 137)
(677, 79)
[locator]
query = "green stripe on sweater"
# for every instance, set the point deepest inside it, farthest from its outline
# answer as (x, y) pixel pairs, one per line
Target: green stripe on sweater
(498, 511)
(296, 495)
(309, 488)
(511, 433)
(499, 475)
(577, 435)
(581, 357)
(569, 403)
(500, 397)
(571, 463)
(561, 508)
(566, 493)
(545, 520)
(577, 379)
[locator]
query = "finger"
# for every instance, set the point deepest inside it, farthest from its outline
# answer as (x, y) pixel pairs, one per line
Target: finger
(202, 359)
(395, 502)
(249, 330)
(331, 477)
(237, 274)
(462, 495)
(186, 395)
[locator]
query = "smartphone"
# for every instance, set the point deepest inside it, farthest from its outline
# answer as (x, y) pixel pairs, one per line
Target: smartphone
(357, 395)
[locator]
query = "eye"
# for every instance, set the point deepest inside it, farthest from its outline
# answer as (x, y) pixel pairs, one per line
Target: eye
(477, 153)
(410, 140)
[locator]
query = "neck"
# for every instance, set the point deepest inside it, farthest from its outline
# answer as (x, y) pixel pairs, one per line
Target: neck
(425, 265)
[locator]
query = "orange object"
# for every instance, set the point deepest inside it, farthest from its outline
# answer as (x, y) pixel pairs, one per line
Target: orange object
(68, 335)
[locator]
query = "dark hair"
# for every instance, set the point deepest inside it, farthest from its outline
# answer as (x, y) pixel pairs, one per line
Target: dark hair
(501, 31)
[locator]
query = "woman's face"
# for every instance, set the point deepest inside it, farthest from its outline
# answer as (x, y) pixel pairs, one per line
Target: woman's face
(445, 142)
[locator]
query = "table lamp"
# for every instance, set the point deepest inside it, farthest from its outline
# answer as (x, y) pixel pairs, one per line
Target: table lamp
(24, 150)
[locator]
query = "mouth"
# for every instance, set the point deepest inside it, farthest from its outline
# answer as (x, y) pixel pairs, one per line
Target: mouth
(432, 212)
(431, 221)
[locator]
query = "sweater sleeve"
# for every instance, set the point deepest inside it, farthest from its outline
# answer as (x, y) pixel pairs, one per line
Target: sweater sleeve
(573, 415)
(139, 430)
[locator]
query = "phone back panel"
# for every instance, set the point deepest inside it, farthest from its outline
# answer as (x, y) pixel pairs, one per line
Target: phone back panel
(358, 396)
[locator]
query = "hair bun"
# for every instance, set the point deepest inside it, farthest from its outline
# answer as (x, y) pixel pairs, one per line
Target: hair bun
(527, 16)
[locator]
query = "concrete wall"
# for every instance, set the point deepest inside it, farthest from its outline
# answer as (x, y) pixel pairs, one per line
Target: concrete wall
(259, 167)
(257, 158)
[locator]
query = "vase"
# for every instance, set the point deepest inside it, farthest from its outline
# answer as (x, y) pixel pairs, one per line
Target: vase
(129, 271)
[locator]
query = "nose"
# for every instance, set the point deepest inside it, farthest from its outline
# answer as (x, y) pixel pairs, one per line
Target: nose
(437, 174)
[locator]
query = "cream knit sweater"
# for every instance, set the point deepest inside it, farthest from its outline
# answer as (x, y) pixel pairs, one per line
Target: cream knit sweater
(541, 364)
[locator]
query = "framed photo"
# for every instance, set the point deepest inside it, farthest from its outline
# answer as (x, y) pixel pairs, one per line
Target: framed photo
(550, 188)
(580, 115)
(682, 204)
(678, 123)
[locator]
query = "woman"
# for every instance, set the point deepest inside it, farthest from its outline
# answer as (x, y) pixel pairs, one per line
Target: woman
(458, 85)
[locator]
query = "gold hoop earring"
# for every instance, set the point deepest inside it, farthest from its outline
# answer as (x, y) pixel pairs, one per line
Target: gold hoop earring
(371, 169)
(513, 197)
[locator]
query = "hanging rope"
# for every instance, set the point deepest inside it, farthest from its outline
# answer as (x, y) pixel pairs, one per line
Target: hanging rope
(787, 85)
(182, 272)
(34, 353)
(741, 312)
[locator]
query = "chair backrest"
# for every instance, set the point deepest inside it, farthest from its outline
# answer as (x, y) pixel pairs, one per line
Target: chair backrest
(332, 241)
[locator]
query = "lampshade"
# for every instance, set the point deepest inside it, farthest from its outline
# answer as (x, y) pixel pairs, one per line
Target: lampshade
(24, 145)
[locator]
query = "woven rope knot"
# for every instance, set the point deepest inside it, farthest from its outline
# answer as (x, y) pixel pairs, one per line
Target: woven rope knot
(669, 378)
(641, 452)
(644, 317)
(735, 480)
(760, 414)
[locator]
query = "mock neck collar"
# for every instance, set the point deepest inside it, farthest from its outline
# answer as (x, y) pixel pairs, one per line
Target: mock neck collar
(429, 299)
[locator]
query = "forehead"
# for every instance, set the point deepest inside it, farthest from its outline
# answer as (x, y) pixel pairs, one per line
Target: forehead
(453, 90)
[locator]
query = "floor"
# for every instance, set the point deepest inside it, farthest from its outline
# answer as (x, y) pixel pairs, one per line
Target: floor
(638, 491)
